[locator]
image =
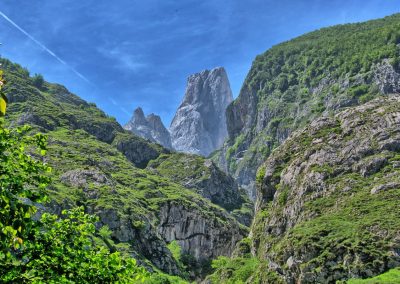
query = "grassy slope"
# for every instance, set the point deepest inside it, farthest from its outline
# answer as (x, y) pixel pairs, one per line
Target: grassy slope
(191, 170)
(390, 277)
(82, 142)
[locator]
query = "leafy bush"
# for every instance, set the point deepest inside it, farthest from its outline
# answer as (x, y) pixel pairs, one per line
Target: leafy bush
(49, 250)
(22, 182)
(62, 251)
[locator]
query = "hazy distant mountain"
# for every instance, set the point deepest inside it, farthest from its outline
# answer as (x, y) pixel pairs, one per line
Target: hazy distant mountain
(150, 127)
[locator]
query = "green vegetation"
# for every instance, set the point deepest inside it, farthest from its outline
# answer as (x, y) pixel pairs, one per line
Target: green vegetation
(390, 277)
(237, 270)
(162, 278)
(260, 175)
(240, 270)
(63, 251)
(301, 79)
(48, 250)
(340, 218)
(175, 249)
(181, 168)
(22, 178)
(96, 165)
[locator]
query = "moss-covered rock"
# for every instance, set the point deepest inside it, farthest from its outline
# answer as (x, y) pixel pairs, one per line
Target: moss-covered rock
(299, 80)
(327, 206)
(205, 178)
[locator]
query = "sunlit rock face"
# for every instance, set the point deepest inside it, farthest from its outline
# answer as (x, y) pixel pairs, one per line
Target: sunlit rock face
(199, 125)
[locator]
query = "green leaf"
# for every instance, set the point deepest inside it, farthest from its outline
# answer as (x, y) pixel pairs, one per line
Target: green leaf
(3, 104)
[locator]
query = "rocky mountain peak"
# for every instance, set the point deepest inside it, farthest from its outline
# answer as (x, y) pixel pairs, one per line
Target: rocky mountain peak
(199, 125)
(150, 127)
(155, 121)
(138, 116)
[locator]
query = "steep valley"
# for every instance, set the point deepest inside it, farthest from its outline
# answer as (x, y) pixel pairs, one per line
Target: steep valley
(99, 165)
(305, 188)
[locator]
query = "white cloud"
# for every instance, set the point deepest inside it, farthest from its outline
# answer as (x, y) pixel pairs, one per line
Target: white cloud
(123, 59)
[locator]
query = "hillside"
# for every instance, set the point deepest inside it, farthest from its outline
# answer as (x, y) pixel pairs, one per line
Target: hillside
(296, 81)
(327, 201)
(205, 178)
(99, 165)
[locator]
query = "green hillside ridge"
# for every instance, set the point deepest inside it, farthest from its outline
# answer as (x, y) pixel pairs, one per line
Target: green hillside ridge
(296, 81)
(327, 204)
(98, 165)
(205, 178)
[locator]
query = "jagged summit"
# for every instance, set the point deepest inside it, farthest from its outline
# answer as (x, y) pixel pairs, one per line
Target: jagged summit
(150, 127)
(199, 125)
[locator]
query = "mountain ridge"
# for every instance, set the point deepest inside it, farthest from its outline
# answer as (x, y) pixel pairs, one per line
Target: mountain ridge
(298, 80)
(199, 125)
(150, 127)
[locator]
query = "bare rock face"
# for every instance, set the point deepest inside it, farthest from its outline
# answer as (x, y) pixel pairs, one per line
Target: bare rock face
(198, 233)
(199, 125)
(150, 127)
(386, 78)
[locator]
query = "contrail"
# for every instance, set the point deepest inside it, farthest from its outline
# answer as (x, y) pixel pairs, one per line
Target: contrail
(125, 111)
(44, 47)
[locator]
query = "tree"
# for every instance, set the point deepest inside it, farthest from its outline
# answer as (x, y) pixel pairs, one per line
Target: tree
(22, 183)
(38, 81)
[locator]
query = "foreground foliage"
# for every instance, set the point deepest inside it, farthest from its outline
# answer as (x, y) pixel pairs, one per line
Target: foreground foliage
(51, 249)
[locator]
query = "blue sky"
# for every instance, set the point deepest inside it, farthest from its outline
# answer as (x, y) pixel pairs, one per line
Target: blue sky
(122, 54)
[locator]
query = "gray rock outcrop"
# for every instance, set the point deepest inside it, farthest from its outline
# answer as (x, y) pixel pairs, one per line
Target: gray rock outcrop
(199, 234)
(150, 127)
(199, 125)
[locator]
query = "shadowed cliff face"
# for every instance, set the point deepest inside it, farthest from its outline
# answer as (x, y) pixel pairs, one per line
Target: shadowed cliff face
(150, 127)
(199, 125)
